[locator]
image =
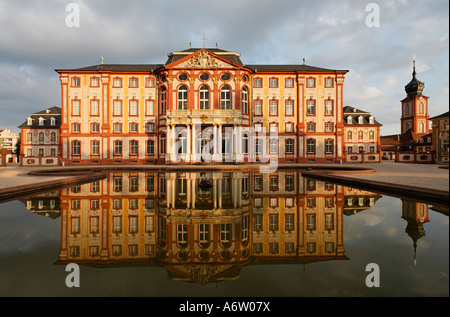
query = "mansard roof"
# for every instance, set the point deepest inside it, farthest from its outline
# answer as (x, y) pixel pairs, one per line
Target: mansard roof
(47, 114)
(291, 68)
(355, 113)
(230, 56)
(118, 68)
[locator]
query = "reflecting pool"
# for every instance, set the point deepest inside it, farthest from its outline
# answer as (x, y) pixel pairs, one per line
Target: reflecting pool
(193, 234)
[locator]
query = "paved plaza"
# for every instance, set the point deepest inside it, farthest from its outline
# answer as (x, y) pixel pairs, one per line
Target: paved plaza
(424, 176)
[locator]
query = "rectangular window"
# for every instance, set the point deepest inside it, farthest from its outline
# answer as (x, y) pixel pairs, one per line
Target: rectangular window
(258, 183)
(311, 222)
(76, 148)
(289, 146)
(117, 224)
(134, 147)
(150, 105)
(117, 83)
(329, 127)
(134, 127)
(273, 82)
(273, 146)
(95, 82)
(257, 82)
(117, 107)
(289, 127)
(311, 107)
(289, 222)
(258, 107)
(150, 82)
(150, 147)
(311, 127)
(274, 183)
(310, 82)
(311, 146)
(258, 222)
(95, 148)
(329, 146)
(118, 148)
(329, 82)
(329, 222)
(117, 127)
(273, 108)
(289, 82)
(289, 108)
(95, 128)
(134, 82)
(133, 107)
(76, 107)
(328, 107)
(289, 182)
(94, 107)
(76, 82)
(273, 222)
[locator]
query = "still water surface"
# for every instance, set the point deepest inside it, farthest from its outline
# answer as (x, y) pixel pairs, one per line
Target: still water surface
(221, 234)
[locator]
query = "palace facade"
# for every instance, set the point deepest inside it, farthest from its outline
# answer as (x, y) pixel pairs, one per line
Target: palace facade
(202, 105)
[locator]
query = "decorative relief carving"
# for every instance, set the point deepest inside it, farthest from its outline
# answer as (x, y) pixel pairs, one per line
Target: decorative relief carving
(203, 60)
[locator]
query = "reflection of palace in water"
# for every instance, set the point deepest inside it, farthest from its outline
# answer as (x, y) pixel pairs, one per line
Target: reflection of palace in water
(204, 226)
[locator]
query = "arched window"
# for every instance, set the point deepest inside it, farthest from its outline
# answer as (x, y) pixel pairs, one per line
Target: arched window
(182, 98)
(225, 98)
(204, 98)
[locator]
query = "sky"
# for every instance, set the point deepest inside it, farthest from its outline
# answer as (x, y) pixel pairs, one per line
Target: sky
(374, 40)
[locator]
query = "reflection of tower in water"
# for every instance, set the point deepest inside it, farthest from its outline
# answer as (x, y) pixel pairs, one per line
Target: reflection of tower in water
(416, 214)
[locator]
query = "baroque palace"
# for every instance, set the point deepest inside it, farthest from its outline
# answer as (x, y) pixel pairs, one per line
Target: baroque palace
(206, 106)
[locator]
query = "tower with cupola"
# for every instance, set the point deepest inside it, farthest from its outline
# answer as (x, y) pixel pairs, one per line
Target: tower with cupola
(415, 107)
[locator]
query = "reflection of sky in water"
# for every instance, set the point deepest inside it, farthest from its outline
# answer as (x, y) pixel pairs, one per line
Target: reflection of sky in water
(30, 244)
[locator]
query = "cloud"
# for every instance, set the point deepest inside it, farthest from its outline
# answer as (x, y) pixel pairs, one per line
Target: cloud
(330, 34)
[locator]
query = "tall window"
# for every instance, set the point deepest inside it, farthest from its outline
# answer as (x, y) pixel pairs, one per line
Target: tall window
(311, 107)
(289, 146)
(118, 148)
(150, 107)
(95, 148)
(182, 98)
(134, 147)
(245, 143)
(163, 100)
(133, 107)
(117, 107)
(311, 146)
(245, 100)
(328, 107)
(94, 107)
(76, 107)
(273, 107)
(289, 108)
(258, 107)
(76, 148)
(204, 97)
(225, 98)
(329, 146)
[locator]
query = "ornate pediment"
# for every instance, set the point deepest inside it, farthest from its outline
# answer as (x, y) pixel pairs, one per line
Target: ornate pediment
(204, 60)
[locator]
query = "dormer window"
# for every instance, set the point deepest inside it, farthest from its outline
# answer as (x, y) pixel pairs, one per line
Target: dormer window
(349, 119)
(52, 121)
(29, 121)
(360, 119)
(41, 121)
(371, 120)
